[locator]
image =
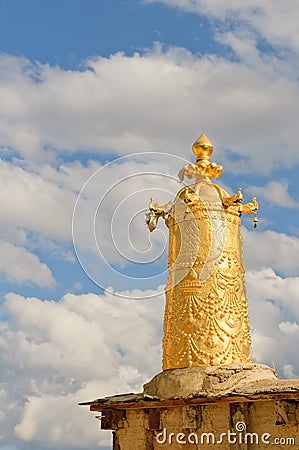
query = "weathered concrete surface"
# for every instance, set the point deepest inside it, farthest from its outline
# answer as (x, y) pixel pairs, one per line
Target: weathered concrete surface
(211, 381)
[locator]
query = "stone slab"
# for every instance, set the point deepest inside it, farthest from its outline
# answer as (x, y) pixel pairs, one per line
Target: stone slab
(209, 380)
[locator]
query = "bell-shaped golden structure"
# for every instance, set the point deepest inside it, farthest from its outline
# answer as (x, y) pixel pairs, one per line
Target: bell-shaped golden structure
(206, 314)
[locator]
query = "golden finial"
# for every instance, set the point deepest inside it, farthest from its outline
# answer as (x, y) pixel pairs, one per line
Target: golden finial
(202, 148)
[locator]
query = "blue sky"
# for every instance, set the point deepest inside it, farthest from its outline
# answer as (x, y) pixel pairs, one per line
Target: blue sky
(132, 83)
(67, 32)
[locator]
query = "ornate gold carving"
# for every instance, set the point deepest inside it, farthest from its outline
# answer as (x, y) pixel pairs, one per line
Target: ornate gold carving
(206, 314)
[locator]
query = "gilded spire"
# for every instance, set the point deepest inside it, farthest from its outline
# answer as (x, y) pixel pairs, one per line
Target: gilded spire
(206, 314)
(202, 148)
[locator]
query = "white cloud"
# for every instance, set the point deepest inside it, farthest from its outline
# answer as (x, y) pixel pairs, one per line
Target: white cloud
(274, 316)
(56, 354)
(154, 101)
(21, 266)
(275, 192)
(28, 201)
(289, 327)
(264, 17)
(283, 292)
(13, 234)
(73, 427)
(271, 249)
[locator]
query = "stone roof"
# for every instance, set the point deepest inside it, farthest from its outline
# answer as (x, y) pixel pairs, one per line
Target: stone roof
(237, 382)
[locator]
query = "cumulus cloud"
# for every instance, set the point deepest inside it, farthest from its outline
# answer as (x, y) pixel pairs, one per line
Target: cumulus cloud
(29, 201)
(21, 266)
(275, 192)
(61, 353)
(271, 249)
(274, 314)
(265, 18)
(288, 327)
(74, 427)
(150, 101)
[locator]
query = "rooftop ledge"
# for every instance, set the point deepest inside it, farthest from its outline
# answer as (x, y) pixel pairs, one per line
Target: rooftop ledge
(243, 382)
